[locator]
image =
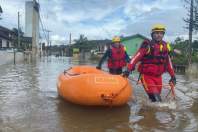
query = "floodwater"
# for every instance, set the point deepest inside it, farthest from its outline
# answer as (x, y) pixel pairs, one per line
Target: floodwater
(29, 103)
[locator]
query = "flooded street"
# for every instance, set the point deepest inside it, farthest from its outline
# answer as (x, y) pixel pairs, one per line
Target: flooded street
(29, 103)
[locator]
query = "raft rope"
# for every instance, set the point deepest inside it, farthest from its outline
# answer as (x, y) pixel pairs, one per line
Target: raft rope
(110, 97)
(167, 86)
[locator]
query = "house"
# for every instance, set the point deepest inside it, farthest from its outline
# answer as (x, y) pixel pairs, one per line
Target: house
(99, 46)
(132, 43)
(6, 36)
(92, 46)
(102, 45)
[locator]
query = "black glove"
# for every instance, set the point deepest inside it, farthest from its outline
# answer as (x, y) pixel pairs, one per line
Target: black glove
(126, 73)
(98, 67)
(173, 80)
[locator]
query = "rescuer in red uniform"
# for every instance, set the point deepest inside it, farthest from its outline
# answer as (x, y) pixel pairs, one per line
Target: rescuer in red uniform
(154, 59)
(117, 57)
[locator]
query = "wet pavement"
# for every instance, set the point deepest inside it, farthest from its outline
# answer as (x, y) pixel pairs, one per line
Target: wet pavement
(29, 103)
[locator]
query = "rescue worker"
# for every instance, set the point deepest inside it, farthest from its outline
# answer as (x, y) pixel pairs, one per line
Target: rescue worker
(117, 57)
(154, 59)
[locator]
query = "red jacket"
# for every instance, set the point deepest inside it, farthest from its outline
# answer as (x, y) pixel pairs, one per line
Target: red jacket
(117, 57)
(154, 58)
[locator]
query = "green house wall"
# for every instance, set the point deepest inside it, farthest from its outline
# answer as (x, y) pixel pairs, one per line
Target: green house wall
(132, 45)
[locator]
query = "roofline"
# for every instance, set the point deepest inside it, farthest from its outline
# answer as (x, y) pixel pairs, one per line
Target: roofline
(6, 29)
(132, 36)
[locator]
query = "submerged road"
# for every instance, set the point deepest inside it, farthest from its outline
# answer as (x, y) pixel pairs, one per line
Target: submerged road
(29, 103)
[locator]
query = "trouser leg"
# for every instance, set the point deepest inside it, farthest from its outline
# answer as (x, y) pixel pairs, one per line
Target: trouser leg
(154, 97)
(152, 86)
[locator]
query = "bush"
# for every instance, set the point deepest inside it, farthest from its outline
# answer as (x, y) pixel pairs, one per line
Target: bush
(195, 58)
(180, 60)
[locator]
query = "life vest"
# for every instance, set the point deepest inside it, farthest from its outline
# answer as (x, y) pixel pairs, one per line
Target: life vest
(155, 61)
(117, 57)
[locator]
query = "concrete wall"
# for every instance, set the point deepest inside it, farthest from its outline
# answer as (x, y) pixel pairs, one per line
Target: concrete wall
(28, 20)
(7, 57)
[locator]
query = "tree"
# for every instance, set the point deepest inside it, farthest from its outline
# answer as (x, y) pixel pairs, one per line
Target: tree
(15, 37)
(15, 30)
(178, 40)
(192, 23)
(82, 39)
(1, 11)
(181, 45)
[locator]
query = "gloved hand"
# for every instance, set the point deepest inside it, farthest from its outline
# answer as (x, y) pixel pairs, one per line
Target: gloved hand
(173, 80)
(126, 73)
(98, 67)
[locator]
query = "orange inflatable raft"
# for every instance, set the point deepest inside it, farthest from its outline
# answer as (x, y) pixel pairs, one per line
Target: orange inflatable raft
(86, 85)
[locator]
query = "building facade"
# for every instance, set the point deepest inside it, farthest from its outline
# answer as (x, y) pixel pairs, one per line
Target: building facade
(132, 43)
(6, 36)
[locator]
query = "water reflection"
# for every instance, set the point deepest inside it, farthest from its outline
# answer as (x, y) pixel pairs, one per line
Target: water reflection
(93, 119)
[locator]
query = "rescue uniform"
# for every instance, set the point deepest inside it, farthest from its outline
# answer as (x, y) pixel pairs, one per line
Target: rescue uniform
(117, 59)
(155, 60)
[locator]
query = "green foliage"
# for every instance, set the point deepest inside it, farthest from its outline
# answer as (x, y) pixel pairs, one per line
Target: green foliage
(82, 40)
(195, 57)
(180, 60)
(182, 45)
(15, 38)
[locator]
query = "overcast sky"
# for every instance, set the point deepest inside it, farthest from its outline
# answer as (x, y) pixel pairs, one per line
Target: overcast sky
(101, 19)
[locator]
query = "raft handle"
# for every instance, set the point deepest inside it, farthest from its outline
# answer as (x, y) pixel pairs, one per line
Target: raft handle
(70, 74)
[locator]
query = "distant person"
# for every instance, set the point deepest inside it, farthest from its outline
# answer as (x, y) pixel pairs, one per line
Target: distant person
(154, 59)
(117, 57)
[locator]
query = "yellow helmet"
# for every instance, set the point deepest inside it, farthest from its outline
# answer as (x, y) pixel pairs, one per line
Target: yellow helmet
(158, 28)
(116, 39)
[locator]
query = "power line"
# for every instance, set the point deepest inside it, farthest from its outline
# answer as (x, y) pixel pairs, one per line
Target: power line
(43, 29)
(42, 26)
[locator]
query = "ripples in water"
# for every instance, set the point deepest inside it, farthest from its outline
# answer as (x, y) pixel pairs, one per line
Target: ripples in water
(29, 102)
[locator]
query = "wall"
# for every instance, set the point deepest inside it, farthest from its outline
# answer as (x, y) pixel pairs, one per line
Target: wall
(28, 21)
(7, 57)
(132, 45)
(4, 43)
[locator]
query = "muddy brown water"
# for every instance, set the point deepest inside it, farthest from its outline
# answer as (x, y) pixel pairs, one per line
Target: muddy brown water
(29, 103)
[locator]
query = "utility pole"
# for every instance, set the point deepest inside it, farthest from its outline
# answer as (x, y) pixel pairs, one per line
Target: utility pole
(191, 23)
(34, 45)
(18, 39)
(70, 38)
(18, 44)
